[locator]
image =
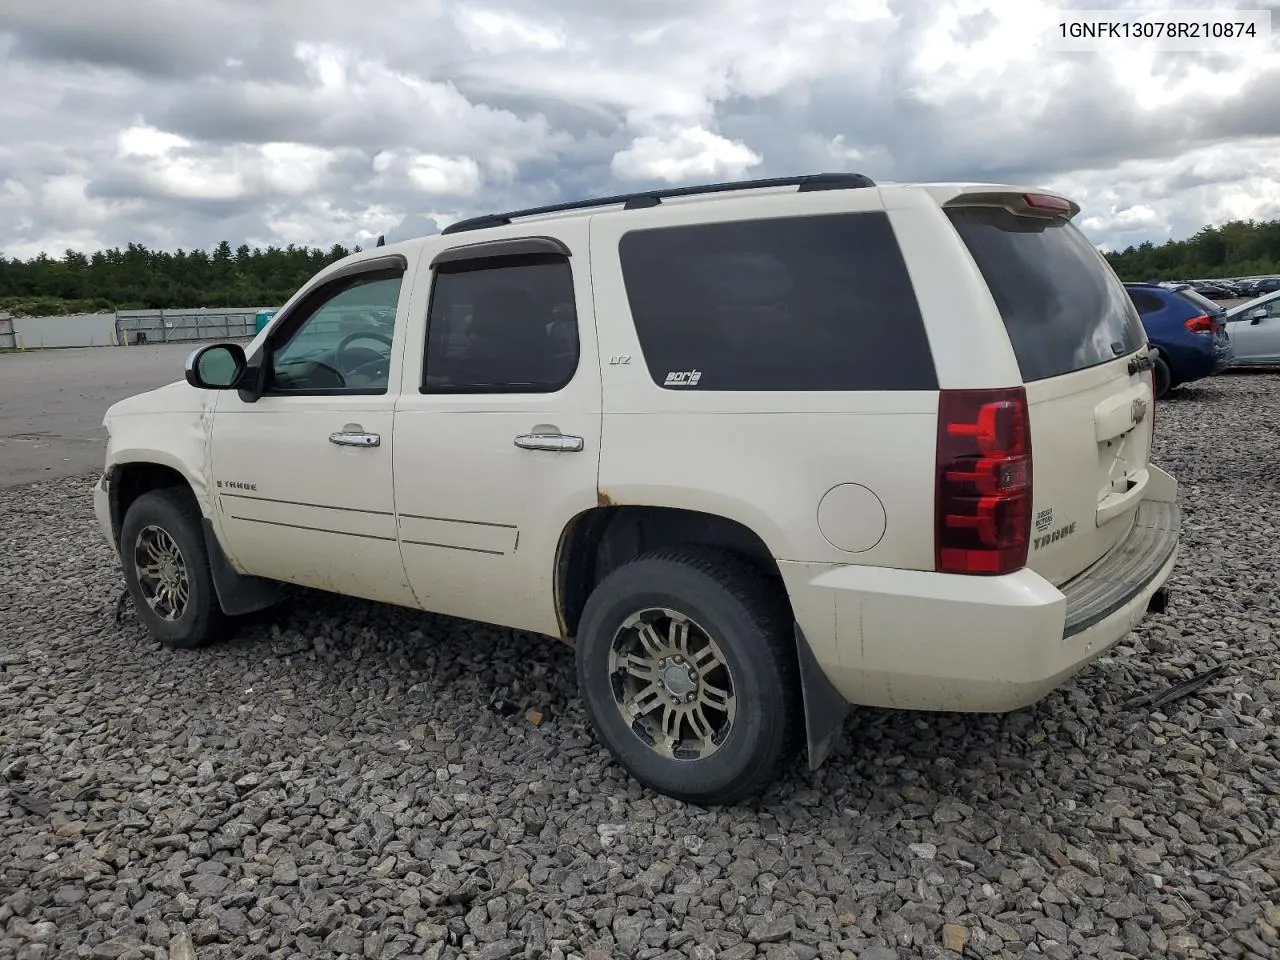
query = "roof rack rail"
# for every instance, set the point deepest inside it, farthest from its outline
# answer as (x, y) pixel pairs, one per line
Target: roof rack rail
(652, 198)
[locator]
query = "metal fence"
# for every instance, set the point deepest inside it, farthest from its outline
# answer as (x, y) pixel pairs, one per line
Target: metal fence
(129, 328)
(167, 326)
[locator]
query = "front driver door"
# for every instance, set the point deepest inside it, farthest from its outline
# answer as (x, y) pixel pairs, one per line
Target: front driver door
(302, 475)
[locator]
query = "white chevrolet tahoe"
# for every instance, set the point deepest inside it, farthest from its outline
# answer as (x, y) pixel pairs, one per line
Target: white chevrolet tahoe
(759, 451)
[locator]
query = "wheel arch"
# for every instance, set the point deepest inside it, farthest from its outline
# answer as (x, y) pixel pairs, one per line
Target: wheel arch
(599, 540)
(129, 479)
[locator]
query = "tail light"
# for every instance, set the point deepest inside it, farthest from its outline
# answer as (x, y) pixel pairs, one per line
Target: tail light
(1202, 324)
(1046, 202)
(982, 522)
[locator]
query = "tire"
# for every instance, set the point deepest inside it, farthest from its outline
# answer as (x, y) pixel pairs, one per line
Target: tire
(155, 524)
(754, 660)
(1164, 378)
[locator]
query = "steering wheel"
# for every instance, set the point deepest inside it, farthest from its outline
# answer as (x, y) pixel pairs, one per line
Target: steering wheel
(348, 369)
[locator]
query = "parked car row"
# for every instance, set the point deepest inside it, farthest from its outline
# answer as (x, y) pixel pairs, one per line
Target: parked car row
(1227, 289)
(1197, 338)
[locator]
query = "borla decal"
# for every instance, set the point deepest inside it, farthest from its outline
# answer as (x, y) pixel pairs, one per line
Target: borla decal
(683, 378)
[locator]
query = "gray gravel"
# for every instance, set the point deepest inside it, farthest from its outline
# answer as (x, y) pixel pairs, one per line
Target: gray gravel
(337, 781)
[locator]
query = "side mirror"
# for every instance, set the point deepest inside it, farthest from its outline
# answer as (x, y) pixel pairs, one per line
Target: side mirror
(217, 366)
(1256, 315)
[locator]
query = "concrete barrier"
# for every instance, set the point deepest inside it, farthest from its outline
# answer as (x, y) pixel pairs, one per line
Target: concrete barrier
(77, 330)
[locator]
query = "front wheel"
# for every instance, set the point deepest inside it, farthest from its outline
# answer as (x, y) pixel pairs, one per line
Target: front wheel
(166, 569)
(687, 668)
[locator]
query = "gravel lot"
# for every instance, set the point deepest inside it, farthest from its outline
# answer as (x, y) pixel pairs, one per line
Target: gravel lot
(338, 782)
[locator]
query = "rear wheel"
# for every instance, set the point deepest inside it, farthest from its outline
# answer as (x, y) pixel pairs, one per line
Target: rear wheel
(1164, 378)
(166, 569)
(686, 664)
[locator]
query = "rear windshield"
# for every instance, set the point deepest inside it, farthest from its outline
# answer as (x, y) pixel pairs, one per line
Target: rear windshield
(1062, 306)
(1204, 303)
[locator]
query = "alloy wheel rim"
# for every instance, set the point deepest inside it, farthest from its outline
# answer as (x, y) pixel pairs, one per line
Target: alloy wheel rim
(162, 572)
(671, 684)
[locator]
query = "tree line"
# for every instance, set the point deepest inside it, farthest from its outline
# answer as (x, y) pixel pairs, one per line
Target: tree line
(1239, 248)
(137, 278)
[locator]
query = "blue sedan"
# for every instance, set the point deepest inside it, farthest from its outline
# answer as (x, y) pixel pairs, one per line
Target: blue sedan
(1189, 330)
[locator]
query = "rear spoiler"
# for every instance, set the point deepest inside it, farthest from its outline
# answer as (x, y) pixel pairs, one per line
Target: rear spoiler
(1020, 203)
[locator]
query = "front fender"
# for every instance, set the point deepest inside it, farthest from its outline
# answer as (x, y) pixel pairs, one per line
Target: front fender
(164, 458)
(178, 441)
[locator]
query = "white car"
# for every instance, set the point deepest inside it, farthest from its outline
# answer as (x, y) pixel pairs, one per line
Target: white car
(759, 451)
(1254, 329)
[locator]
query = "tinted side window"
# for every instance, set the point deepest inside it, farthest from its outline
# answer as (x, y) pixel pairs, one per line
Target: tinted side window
(1146, 302)
(505, 325)
(1063, 307)
(795, 303)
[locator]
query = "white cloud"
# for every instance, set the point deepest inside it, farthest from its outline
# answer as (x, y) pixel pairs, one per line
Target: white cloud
(176, 168)
(141, 140)
(301, 224)
(429, 173)
(459, 176)
(1138, 217)
(1158, 199)
(686, 154)
(233, 119)
(325, 63)
(295, 168)
(497, 31)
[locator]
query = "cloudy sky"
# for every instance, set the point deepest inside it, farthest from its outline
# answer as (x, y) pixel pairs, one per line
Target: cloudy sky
(177, 123)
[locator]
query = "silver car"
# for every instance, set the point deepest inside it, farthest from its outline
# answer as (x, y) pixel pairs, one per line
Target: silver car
(1254, 329)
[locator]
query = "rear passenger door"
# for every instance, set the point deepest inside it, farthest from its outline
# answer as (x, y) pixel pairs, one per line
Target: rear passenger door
(498, 424)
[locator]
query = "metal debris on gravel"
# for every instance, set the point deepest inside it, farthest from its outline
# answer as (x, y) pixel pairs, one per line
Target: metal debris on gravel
(336, 783)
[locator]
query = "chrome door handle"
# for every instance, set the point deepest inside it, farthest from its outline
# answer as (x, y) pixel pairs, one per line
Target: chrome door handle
(555, 442)
(354, 438)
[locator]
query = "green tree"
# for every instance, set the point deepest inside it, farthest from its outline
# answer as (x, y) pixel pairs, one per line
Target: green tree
(136, 277)
(1234, 249)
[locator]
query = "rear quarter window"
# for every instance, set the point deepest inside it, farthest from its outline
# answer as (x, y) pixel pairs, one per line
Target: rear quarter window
(1063, 307)
(792, 303)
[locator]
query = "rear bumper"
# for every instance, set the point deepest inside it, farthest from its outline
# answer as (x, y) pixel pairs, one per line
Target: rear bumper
(926, 641)
(1201, 357)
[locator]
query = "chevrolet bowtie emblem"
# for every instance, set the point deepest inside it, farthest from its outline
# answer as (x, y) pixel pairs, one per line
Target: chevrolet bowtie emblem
(1138, 410)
